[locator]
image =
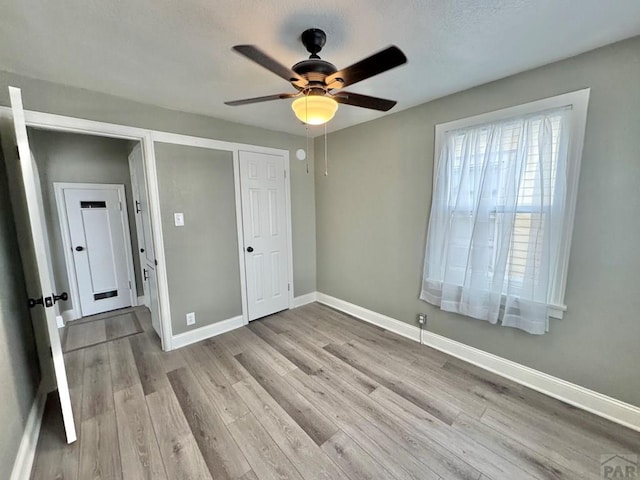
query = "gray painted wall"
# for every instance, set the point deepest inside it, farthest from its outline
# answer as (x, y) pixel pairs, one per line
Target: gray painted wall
(54, 98)
(69, 157)
(19, 373)
(202, 256)
(373, 208)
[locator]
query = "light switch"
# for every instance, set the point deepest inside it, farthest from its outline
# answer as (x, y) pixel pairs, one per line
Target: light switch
(178, 219)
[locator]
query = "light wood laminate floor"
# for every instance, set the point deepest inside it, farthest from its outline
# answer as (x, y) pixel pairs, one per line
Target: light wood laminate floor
(310, 394)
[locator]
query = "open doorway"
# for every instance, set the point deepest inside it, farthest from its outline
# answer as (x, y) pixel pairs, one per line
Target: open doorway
(93, 215)
(86, 190)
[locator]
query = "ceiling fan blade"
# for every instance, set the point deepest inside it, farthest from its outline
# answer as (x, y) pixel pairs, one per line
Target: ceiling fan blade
(364, 101)
(266, 98)
(264, 60)
(377, 63)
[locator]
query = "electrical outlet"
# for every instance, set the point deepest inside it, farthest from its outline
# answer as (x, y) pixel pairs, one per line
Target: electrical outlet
(178, 219)
(422, 319)
(191, 318)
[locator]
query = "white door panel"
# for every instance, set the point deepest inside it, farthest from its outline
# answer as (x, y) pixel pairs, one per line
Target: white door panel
(41, 276)
(99, 249)
(262, 182)
(98, 243)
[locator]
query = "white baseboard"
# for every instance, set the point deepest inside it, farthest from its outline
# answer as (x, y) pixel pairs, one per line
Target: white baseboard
(583, 398)
(580, 397)
(26, 452)
(69, 315)
(388, 323)
(304, 299)
(208, 331)
(66, 316)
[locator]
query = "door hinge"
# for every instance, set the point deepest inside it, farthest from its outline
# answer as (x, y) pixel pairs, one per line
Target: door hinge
(288, 287)
(129, 284)
(285, 174)
(120, 205)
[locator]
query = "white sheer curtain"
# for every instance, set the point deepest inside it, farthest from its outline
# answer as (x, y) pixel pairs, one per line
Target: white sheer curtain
(496, 220)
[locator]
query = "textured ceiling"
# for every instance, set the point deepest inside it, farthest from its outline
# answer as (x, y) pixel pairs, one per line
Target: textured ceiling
(177, 53)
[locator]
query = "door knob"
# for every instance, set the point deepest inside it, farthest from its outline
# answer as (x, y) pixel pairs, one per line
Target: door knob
(35, 301)
(79, 248)
(64, 296)
(249, 249)
(142, 250)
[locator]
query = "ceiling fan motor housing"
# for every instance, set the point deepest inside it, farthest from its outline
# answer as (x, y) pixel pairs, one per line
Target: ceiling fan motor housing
(314, 70)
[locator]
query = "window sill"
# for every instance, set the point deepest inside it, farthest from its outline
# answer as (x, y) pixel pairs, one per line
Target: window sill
(557, 311)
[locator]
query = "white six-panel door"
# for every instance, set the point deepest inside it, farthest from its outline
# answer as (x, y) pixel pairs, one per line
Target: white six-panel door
(99, 247)
(264, 222)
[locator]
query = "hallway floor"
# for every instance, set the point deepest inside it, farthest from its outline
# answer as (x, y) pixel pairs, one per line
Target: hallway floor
(100, 328)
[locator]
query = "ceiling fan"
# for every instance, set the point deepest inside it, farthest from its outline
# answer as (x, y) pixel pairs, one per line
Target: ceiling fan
(319, 83)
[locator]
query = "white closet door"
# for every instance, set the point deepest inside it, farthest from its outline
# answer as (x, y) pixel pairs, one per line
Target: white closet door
(262, 180)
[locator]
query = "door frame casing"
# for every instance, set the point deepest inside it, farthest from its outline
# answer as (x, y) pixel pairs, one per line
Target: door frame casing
(59, 188)
(147, 137)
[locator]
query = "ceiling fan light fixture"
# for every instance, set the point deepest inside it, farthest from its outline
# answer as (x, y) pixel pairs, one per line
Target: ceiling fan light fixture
(314, 109)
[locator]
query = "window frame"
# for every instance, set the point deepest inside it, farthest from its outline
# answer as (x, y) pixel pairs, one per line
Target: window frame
(579, 102)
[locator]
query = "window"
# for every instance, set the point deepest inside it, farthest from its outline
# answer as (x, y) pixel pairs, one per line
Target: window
(501, 219)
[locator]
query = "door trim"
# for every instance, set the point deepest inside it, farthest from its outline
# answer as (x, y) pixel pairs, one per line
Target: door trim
(62, 123)
(59, 188)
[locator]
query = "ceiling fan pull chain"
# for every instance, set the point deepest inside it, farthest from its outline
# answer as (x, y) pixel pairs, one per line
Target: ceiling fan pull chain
(307, 129)
(326, 161)
(306, 109)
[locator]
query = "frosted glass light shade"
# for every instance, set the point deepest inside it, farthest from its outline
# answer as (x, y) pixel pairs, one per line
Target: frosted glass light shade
(314, 109)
